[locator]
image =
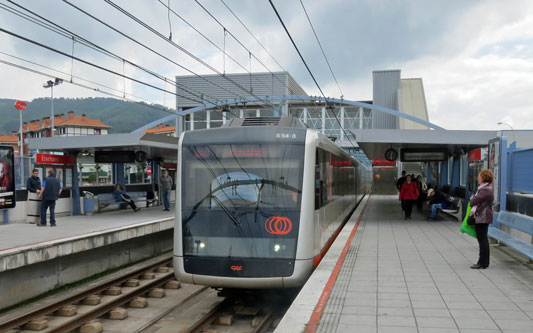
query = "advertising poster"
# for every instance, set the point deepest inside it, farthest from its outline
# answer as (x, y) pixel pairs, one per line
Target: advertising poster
(494, 165)
(7, 177)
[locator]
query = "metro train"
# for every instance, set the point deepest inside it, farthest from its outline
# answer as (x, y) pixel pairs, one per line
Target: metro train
(259, 201)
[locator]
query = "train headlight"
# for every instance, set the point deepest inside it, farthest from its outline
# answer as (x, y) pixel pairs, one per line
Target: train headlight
(277, 247)
(202, 245)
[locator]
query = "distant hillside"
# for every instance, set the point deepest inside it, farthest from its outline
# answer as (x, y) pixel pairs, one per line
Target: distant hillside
(122, 116)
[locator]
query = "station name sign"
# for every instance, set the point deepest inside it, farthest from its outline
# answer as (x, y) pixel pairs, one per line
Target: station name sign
(55, 159)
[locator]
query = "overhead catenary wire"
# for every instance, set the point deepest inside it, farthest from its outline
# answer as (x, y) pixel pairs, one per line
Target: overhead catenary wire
(257, 40)
(68, 34)
(88, 62)
(321, 48)
(226, 30)
(52, 26)
(179, 47)
(34, 71)
(138, 99)
(309, 70)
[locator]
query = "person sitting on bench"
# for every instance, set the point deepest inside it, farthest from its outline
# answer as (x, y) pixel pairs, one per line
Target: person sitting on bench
(437, 200)
(121, 196)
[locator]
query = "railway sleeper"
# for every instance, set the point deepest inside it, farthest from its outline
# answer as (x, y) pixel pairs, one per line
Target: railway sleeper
(162, 269)
(67, 311)
(91, 300)
(138, 302)
(113, 291)
(172, 284)
(157, 293)
(224, 320)
(92, 327)
(131, 283)
(118, 314)
(148, 276)
(36, 325)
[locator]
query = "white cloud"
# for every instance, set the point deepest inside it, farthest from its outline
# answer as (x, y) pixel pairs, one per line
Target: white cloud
(476, 58)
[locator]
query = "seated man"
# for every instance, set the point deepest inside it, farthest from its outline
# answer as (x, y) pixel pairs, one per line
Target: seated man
(437, 199)
(121, 196)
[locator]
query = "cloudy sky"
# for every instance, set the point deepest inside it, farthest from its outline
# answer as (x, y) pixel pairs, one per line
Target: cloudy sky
(475, 57)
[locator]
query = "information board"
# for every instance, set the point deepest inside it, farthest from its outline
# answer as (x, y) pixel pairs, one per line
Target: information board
(7, 177)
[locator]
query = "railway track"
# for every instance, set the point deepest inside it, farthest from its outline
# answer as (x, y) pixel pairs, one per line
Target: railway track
(79, 310)
(100, 304)
(240, 315)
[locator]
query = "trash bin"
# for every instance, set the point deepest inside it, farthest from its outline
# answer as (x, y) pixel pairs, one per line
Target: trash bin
(33, 208)
(88, 202)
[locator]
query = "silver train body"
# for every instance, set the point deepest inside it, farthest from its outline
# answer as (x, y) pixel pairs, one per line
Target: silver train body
(258, 206)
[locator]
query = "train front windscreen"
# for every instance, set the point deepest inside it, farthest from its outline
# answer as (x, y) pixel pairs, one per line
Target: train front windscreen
(240, 202)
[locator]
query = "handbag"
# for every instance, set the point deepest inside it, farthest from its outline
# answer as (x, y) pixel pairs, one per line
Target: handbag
(471, 220)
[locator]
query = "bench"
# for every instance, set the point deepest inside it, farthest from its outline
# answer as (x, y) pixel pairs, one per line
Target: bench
(457, 213)
(515, 221)
(106, 200)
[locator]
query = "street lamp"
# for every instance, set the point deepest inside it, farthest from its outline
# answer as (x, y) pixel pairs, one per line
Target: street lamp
(50, 84)
(511, 127)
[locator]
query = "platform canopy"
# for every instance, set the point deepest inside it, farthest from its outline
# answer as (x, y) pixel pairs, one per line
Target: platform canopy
(375, 142)
(155, 146)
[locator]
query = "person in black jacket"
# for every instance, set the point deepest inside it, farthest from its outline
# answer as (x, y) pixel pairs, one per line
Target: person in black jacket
(50, 191)
(400, 181)
(34, 182)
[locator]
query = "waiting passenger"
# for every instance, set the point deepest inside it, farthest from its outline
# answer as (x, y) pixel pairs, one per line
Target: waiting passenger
(408, 196)
(437, 200)
(121, 196)
(422, 191)
(481, 204)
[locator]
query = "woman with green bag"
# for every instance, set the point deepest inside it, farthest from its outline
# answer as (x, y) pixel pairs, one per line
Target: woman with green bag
(481, 210)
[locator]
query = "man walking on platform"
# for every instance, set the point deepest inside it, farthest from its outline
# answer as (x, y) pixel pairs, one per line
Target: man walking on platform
(166, 186)
(50, 191)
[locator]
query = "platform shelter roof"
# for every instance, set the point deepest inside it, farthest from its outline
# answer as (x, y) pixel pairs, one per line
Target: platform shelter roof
(155, 146)
(375, 142)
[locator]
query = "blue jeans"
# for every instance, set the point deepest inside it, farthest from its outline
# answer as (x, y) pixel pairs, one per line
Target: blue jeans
(44, 207)
(434, 210)
(166, 199)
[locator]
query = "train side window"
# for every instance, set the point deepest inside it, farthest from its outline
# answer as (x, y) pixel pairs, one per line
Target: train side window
(318, 181)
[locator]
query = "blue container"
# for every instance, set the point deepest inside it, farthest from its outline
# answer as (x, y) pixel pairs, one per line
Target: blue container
(88, 205)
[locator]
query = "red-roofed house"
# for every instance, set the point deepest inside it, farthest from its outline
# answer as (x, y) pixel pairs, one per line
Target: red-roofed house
(162, 129)
(11, 140)
(71, 125)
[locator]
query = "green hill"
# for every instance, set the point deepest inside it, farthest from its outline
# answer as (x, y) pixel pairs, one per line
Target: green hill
(122, 116)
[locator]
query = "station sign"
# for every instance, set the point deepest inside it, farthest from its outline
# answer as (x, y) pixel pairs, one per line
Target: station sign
(55, 159)
(20, 105)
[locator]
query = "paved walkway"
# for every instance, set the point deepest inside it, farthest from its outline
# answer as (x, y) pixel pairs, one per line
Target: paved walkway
(414, 276)
(22, 234)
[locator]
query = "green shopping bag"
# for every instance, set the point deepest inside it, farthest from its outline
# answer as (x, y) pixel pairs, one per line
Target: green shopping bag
(465, 228)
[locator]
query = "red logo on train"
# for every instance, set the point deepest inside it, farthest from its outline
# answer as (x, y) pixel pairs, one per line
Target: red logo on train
(278, 225)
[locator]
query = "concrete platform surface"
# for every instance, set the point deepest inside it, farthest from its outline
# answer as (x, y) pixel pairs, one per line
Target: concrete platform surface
(25, 244)
(412, 276)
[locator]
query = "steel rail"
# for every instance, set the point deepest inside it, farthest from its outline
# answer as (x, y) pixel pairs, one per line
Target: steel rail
(48, 309)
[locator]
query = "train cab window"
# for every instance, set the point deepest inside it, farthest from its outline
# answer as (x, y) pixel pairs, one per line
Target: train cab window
(241, 200)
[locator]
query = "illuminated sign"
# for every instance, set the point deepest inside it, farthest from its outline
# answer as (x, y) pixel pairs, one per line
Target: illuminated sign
(55, 159)
(278, 225)
(423, 155)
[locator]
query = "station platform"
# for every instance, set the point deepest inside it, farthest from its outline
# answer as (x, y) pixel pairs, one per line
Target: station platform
(34, 260)
(387, 274)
